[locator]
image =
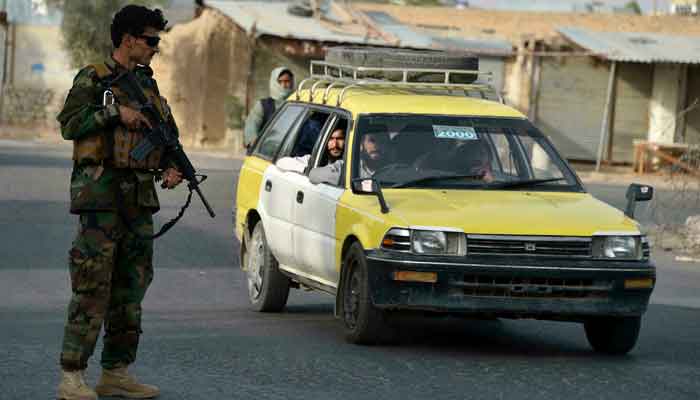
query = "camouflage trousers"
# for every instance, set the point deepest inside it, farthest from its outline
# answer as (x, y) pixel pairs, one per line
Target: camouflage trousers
(110, 270)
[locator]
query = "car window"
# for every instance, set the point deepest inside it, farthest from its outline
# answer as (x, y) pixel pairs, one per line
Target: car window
(505, 154)
(272, 138)
(324, 150)
(543, 166)
(457, 152)
(309, 132)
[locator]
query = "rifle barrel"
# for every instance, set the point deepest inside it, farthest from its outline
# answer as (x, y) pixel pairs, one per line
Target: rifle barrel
(204, 201)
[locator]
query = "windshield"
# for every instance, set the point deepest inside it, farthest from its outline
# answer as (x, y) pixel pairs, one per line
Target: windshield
(458, 152)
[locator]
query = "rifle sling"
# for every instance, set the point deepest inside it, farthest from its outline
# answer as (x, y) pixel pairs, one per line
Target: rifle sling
(134, 91)
(166, 227)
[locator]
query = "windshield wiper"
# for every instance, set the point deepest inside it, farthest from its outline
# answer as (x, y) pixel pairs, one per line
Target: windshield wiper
(525, 183)
(434, 178)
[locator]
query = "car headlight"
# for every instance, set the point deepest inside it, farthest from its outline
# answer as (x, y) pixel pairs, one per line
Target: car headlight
(617, 247)
(429, 242)
(425, 242)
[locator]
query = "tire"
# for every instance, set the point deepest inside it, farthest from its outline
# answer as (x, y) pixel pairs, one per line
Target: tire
(268, 288)
(393, 58)
(363, 323)
(613, 335)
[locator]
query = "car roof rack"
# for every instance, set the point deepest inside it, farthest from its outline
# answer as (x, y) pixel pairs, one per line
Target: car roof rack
(349, 77)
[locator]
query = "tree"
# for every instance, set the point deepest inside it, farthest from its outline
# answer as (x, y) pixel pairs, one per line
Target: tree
(86, 27)
(633, 7)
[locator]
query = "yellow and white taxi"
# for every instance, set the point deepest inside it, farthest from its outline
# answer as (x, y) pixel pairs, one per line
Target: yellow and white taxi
(444, 203)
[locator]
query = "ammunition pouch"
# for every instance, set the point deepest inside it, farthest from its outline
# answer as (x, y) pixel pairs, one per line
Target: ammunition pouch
(124, 142)
(115, 144)
(90, 150)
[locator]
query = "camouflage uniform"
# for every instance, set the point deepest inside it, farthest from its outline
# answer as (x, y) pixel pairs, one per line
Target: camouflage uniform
(110, 268)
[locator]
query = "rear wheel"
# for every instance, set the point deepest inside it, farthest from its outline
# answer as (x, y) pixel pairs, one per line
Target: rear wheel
(364, 324)
(613, 335)
(268, 288)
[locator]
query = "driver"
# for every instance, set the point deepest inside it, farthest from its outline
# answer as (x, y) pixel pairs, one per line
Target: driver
(373, 151)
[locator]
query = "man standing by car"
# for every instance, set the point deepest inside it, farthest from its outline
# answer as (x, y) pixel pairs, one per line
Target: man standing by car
(111, 261)
(281, 86)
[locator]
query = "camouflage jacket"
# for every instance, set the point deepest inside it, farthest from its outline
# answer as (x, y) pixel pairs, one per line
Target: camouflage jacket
(94, 187)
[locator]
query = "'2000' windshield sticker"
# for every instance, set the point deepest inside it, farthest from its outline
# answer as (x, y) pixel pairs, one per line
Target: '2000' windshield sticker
(455, 132)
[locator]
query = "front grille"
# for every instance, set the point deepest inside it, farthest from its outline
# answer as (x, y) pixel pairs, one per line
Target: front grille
(516, 287)
(547, 246)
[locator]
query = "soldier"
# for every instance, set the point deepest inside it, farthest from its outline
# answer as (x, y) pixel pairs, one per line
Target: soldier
(281, 86)
(114, 196)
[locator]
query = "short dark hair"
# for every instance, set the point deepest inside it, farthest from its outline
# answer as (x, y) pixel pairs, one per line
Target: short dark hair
(134, 20)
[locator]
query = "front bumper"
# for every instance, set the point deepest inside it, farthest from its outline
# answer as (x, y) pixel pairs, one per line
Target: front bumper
(518, 287)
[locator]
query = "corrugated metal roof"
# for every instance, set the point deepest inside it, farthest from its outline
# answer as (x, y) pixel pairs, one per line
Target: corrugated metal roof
(637, 47)
(272, 18)
(409, 38)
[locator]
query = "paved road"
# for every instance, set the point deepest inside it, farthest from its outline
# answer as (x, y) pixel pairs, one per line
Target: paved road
(202, 342)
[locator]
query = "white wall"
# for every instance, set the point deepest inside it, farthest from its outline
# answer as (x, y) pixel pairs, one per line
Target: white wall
(495, 66)
(40, 61)
(666, 100)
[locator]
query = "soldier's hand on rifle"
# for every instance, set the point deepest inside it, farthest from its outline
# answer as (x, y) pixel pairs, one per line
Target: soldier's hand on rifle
(133, 119)
(171, 178)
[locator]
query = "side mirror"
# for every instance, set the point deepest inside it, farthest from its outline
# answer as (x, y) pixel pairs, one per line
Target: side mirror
(635, 193)
(364, 186)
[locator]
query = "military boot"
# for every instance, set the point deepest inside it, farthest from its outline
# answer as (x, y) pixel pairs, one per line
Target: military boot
(117, 382)
(73, 387)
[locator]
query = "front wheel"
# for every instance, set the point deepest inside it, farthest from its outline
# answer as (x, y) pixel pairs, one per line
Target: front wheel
(268, 288)
(613, 335)
(364, 324)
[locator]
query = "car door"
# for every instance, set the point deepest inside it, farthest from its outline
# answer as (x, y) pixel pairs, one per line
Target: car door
(276, 200)
(314, 225)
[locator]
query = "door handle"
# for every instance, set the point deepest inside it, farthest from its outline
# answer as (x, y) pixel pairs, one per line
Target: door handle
(268, 186)
(300, 197)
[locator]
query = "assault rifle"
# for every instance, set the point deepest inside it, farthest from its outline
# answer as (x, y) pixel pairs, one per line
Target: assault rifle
(162, 135)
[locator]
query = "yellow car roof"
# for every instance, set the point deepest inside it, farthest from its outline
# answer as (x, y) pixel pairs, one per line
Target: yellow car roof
(409, 101)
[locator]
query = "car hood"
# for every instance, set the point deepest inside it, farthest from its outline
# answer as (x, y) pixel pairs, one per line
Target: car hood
(507, 212)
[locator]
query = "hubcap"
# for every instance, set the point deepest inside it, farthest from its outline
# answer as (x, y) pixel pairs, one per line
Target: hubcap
(256, 258)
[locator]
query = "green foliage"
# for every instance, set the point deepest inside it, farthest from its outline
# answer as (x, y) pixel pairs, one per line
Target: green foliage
(634, 7)
(85, 27)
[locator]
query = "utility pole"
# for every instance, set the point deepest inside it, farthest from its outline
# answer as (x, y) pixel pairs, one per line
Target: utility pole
(4, 33)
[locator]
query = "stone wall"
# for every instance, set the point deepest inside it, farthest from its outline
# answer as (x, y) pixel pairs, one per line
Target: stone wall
(22, 105)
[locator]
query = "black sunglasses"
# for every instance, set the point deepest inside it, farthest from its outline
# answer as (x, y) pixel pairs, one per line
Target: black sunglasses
(151, 41)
